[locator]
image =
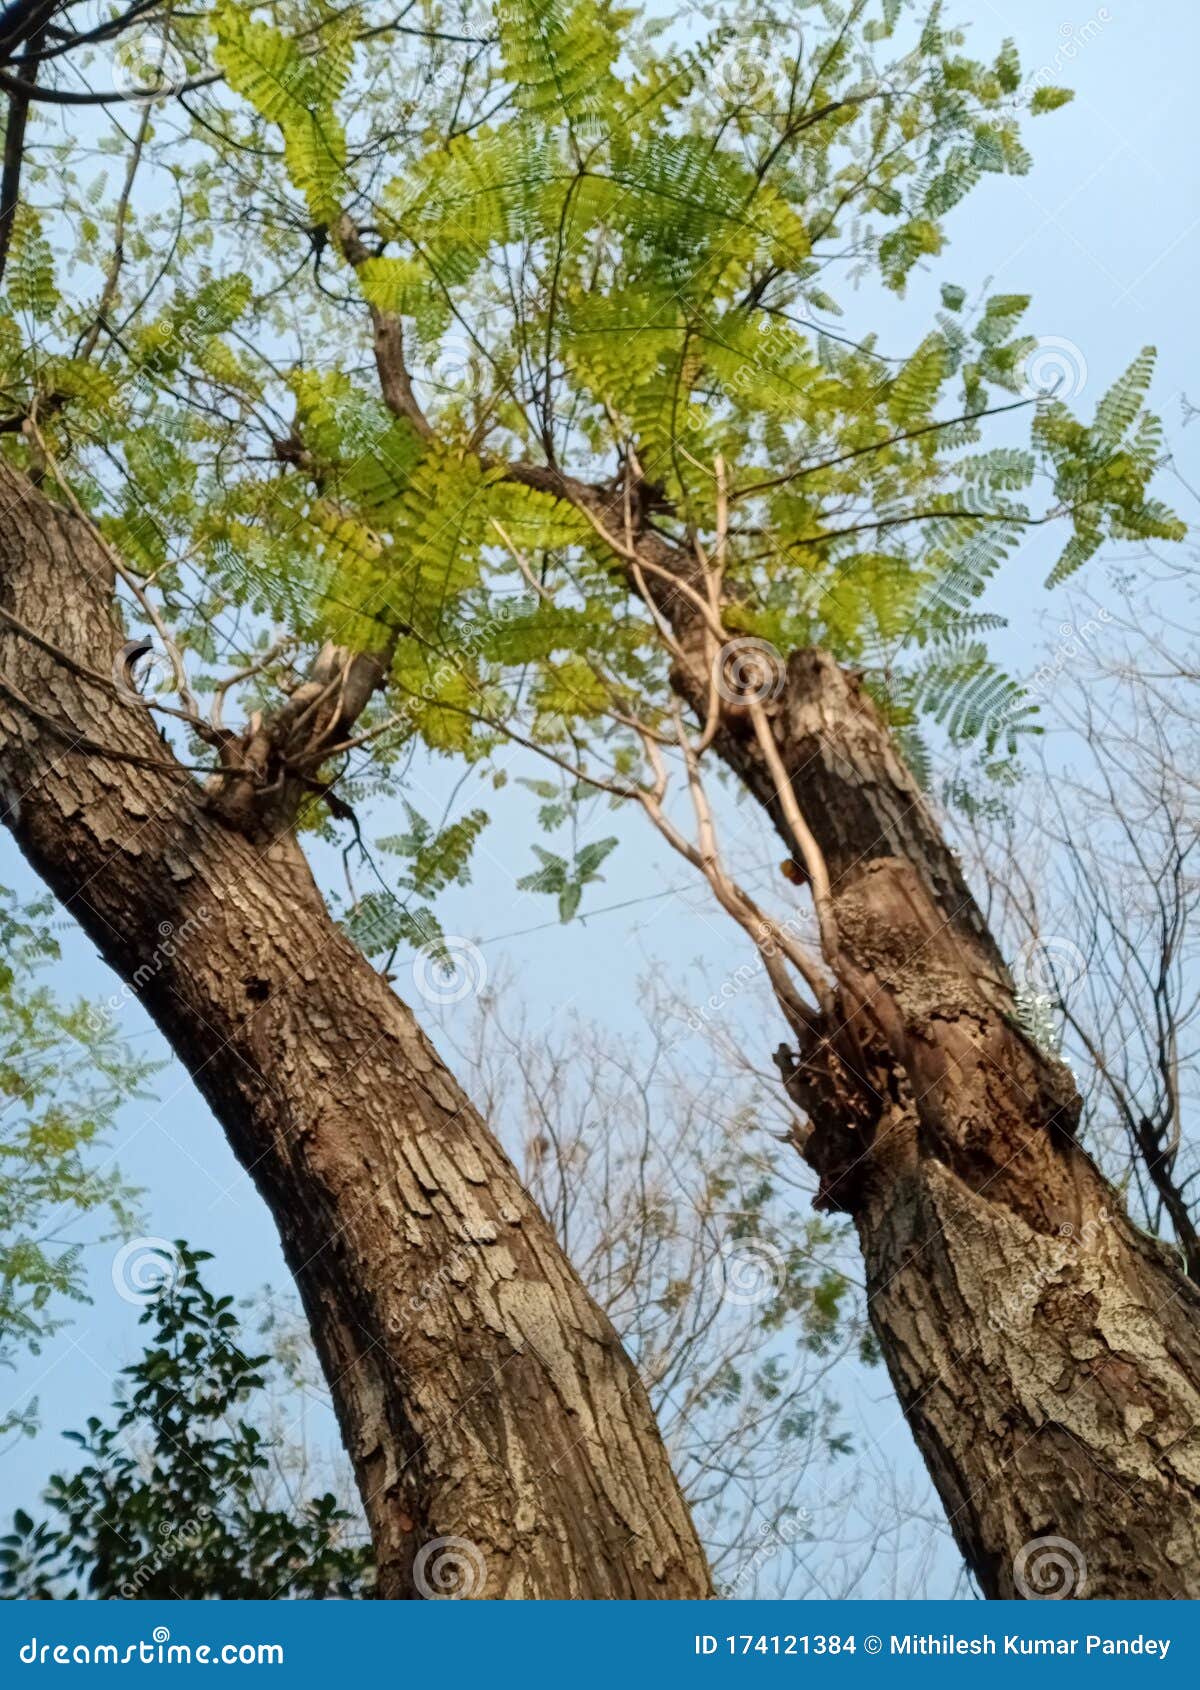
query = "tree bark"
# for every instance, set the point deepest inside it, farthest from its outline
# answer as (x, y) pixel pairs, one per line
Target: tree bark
(481, 1393)
(1046, 1353)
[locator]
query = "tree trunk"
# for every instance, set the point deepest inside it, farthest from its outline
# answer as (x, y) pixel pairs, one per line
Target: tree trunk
(481, 1393)
(1046, 1353)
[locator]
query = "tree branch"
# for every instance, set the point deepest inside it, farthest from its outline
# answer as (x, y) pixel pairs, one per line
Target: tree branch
(388, 332)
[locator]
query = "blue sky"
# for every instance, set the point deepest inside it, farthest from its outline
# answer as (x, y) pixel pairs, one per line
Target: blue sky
(1105, 234)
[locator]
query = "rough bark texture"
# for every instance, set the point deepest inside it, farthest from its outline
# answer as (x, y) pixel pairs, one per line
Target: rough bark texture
(1046, 1353)
(481, 1393)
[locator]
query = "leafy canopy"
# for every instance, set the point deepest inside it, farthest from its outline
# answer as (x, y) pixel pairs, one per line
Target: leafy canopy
(383, 296)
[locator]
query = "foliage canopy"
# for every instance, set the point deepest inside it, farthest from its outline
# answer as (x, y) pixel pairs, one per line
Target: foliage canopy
(605, 254)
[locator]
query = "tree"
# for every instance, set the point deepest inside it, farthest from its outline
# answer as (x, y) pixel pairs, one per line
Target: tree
(1100, 898)
(168, 1504)
(210, 1481)
(378, 1172)
(63, 1075)
(613, 489)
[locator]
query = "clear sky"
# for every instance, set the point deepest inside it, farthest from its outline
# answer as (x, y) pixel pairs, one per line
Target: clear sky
(1105, 233)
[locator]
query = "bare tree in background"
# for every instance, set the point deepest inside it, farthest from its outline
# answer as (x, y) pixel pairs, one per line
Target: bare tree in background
(1096, 878)
(655, 1158)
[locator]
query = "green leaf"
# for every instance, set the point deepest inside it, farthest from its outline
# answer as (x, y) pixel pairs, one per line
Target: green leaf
(1050, 99)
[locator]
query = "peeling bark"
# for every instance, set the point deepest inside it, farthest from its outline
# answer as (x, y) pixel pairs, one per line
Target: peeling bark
(481, 1393)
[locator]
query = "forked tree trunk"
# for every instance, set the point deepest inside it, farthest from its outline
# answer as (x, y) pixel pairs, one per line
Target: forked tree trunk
(1045, 1352)
(481, 1393)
